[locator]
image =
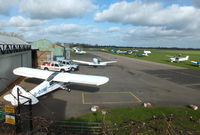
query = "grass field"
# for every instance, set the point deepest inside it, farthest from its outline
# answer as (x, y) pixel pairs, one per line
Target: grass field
(162, 56)
(159, 120)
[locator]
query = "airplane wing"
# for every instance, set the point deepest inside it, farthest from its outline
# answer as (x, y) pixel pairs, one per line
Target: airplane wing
(195, 62)
(32, 73)
(106, 62)
(61, 77)
(83, 62)
(80, 78)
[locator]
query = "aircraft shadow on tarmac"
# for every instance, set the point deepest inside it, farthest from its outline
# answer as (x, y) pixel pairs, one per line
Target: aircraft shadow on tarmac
(48, 107)
(83, 88)
(33, 80)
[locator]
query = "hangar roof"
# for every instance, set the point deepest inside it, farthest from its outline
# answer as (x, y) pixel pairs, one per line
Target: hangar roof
(11, 40)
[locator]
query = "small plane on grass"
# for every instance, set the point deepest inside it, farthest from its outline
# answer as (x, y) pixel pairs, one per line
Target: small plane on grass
(96, 62)
(196, 62)
(178, 59)
(52, 81)
(146, 53)
(124, 52)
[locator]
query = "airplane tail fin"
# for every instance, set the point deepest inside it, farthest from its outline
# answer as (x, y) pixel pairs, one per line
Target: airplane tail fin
(187, 57)
(13, 98)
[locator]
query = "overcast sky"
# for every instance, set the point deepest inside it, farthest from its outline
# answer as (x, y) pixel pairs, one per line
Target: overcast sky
(149, 23)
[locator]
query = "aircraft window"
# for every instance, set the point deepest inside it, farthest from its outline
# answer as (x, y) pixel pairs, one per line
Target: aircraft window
(52, 64)
(51, 82)
(56, 65)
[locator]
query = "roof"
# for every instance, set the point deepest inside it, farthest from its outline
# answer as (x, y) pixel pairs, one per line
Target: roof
(11, 40)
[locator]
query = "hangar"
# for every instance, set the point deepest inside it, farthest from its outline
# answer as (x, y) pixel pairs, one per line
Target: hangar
(14, 52)
(46, 50)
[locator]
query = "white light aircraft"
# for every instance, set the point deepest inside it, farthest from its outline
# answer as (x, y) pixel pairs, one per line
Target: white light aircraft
(178, 59)
(196, 62)
(146, 53)
(78, 51)
(52, 81)
(95, 62)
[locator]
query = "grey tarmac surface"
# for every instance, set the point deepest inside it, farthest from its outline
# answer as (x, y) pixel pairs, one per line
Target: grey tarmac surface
(132, 82)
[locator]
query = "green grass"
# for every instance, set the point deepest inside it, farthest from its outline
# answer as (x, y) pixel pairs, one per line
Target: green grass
(163, 55)
(121, 119)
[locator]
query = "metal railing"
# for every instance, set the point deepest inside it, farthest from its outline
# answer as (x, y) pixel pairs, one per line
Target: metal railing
(80, 127)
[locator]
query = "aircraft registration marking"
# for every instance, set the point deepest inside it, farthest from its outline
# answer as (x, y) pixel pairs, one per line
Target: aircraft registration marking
(138, 100)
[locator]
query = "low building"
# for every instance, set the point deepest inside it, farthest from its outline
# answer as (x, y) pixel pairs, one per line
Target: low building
(46, 50)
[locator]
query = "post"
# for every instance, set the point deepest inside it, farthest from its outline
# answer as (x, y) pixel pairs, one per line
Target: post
(30, 115)
(18, 117)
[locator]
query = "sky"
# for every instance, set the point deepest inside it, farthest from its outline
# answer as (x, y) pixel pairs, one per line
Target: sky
(134, 23)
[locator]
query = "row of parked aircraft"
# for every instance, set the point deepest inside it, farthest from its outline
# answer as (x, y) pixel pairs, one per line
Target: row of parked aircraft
(137, 53)
(146, 53)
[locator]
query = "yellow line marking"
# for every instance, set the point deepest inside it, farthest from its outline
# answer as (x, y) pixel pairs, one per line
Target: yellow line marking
(135, 97)
(128, 92)
(108, 92)
(110, 102)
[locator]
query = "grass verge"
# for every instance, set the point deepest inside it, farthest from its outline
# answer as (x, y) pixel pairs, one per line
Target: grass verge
(139, 120)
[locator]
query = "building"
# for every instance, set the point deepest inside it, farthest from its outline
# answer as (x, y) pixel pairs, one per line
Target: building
(14, 53)
(46, 51)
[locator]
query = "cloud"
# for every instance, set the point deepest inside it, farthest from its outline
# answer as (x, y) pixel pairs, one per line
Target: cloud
(66, 29)
(132, 36)
(22, 24)
(19, 21)
(6, 5)
(196, 3)
(49, 9)
(114, 29)
(138, 13)
(159, 36)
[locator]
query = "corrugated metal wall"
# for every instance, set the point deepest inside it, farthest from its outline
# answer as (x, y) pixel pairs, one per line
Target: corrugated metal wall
(9, 62)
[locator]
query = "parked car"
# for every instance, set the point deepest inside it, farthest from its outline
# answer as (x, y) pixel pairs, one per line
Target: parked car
(70, 63)
(55, 66)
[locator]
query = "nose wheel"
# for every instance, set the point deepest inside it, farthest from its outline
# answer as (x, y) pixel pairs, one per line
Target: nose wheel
(69, 90)
(65, 87)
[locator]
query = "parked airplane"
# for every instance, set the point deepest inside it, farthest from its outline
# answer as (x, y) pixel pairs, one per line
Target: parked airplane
(196, 62)
(78, 51)
(146, 53)
(124, 52)
(52, 81)
(178, 59)
(113, 51)
(95, 62)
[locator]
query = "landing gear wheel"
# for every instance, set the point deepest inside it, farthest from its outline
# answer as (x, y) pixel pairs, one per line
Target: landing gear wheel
(73, 69)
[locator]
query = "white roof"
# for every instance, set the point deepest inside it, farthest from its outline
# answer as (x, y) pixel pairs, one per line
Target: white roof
(11, 40)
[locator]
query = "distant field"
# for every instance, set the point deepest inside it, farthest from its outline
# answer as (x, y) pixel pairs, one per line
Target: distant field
(162, 56)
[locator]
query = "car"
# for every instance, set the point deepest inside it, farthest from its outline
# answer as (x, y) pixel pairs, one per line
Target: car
(70, 63)
(55, 66)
